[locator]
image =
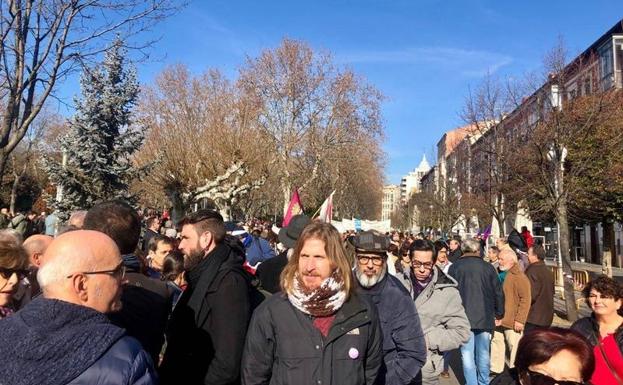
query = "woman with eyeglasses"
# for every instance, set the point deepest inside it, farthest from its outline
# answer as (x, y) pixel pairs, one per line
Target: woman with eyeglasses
(553, 356)
(13, 268)
(604, 329)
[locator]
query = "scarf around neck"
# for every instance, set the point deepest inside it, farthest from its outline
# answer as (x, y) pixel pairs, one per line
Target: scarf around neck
(51, 342)
(322, 301)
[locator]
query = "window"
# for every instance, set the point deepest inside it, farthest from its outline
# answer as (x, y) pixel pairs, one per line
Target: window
(618, 62)
(587, 85)
(606, 65)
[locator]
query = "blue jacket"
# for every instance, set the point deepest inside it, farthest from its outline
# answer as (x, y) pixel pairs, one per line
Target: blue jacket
(258, 250)
(51, 341)
(124, 363)
(404, 347)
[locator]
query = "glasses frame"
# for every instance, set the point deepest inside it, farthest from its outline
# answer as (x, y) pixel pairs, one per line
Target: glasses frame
(420, 264)
(118, 272)
(368, 258)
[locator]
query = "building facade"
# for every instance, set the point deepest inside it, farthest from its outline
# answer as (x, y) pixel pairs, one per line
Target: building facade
(391, 201)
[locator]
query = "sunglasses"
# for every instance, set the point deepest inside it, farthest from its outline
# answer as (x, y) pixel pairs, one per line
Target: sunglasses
(534, 378)
(8, 273)
(118, 272)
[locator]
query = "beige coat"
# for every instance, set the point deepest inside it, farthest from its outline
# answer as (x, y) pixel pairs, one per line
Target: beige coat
(516, 297)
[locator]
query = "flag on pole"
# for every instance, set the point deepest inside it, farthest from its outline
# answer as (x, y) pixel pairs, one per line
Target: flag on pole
(294, 208)
(326, 210)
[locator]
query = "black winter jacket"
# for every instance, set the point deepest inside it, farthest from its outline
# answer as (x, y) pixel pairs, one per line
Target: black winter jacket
(589, 328)
(284, 348)
(125, 363)
(146, 308)
(404, 347)
(480, 289)
(207, 329)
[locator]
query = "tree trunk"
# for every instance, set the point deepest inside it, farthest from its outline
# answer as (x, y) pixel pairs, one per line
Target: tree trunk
(3, 161)
(609, 240)
(287, 194)
(563, 250)
(14, 192)
(595, 257)
(178, 208)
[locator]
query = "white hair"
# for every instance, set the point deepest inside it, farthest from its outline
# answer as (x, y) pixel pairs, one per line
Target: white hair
(470, 246)
(56, 269)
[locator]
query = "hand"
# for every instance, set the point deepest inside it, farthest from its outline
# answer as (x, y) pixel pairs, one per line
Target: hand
(498, 322)
(518, 327)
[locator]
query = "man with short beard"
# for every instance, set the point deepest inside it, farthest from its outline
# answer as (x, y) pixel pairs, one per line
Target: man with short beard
(517, 298)
(206, 332)
(404, 349)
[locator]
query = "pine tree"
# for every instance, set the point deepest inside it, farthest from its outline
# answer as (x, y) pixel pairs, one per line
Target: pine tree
(101, 141)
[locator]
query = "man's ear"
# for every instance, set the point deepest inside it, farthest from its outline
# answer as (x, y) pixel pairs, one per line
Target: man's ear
(205, 240)
(36, 259)
(79, 284)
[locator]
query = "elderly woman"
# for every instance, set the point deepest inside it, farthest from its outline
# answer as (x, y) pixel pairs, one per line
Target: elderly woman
(548, 357)
(13, 268)
(603, 329)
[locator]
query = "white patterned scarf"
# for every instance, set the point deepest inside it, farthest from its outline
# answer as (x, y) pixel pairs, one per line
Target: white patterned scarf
(322, 301)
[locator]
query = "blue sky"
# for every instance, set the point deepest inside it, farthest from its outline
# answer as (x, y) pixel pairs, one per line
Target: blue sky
(421, 54)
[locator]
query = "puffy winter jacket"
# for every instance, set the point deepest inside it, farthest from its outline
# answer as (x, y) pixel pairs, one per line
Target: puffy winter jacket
(124, 363)
(284, 348)
(443, 321)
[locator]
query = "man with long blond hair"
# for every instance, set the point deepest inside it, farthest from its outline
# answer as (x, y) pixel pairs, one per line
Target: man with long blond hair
(317, 331)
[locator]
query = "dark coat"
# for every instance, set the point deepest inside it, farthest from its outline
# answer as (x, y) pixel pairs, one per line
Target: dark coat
(269, 271)
(404, 348)
(480, 289)
(206, 332)
(454, 255)
(507, 377)
(589, 328)
(284, 348)
(124, 363)
(542, 292)
(146, 308)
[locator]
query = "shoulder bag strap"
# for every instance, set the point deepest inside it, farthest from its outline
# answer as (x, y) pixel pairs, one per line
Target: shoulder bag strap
(614, 373)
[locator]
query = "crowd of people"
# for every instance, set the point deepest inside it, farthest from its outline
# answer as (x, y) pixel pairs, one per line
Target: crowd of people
(114, 297)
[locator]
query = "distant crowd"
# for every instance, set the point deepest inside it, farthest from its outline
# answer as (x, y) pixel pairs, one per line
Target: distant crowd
(114, 296)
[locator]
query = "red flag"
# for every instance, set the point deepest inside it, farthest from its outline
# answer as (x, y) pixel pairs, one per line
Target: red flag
(294, 208)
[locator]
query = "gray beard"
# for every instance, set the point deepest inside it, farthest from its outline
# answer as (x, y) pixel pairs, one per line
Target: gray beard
(368, 282)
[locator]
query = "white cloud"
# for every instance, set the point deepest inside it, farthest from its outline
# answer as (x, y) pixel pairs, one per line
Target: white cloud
(467, 62)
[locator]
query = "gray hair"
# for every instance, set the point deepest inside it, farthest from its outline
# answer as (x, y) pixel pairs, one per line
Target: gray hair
(470, 246)
(56, 269)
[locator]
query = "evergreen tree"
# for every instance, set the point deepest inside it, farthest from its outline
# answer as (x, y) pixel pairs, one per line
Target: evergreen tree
(101, 141)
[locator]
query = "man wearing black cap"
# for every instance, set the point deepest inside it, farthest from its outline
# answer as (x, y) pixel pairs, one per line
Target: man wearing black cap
(404, 348)
(269, 271)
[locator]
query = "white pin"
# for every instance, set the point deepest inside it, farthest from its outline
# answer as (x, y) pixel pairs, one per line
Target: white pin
(353, 353)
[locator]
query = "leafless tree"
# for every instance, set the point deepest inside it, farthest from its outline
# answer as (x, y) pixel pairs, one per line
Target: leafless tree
(43, 41)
